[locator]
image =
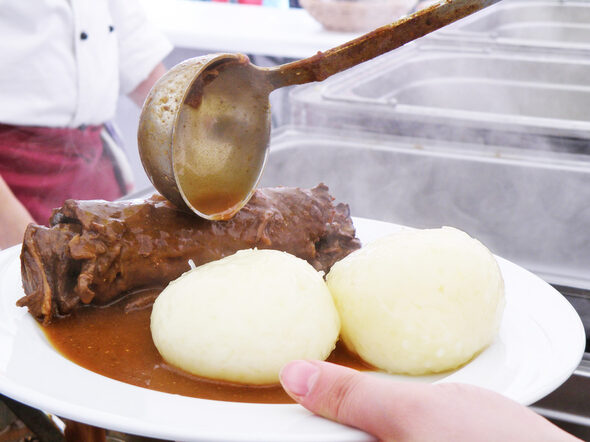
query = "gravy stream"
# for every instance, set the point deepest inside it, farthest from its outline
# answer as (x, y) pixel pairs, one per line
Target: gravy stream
(118, 344)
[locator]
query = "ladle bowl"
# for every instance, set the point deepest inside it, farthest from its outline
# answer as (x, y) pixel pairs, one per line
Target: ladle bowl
(204, 129)
(206, 152)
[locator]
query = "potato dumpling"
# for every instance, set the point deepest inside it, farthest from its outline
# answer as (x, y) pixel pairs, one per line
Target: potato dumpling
(240, 319)
(418, 301)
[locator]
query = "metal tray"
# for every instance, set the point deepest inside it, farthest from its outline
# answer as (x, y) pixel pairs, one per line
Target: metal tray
(531, 209)
(475, 94)
(545, 25)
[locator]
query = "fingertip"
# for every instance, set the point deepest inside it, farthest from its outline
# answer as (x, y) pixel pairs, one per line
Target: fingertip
(298, 378)
(338, 393)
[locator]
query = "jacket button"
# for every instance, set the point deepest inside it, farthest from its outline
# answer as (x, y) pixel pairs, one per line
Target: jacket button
(83, 35)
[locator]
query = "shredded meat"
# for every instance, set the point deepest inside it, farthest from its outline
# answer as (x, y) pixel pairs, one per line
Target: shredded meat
(94, 252)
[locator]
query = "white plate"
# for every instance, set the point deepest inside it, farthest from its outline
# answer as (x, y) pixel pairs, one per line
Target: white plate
(540, 343)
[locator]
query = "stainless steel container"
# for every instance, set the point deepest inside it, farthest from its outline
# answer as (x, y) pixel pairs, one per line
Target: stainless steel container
(476, 94)
(562, 26)
(532, 209)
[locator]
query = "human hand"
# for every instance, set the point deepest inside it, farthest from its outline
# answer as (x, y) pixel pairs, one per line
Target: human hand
(14, 218)
(140, 93)
(413, 411)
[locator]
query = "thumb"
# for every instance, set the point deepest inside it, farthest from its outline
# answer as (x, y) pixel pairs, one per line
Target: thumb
(404, 411)
(364, 401)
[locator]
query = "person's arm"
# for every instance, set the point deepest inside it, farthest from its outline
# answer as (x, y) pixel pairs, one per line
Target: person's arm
(413, 411)
(142, 47)
(139, 94)
(14, 218)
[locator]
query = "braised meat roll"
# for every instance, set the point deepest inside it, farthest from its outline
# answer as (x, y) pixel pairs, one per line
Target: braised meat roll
(96, 251)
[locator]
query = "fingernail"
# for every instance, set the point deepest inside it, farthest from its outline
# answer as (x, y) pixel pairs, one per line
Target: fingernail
(298, 377)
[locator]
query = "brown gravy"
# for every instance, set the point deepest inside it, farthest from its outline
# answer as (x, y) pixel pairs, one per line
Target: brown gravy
(217, 203)
(118, 344)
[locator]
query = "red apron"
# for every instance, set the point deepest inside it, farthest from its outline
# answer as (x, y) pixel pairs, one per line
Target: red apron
(46, 166)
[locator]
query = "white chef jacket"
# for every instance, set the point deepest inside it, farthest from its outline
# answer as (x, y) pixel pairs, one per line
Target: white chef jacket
(63, 63)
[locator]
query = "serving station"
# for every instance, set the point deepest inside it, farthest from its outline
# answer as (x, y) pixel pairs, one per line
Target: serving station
(484, 126)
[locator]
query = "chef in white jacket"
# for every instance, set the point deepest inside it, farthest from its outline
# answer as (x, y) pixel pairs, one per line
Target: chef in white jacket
(63, 65)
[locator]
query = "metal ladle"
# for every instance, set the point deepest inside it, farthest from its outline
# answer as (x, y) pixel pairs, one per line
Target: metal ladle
(205, 126)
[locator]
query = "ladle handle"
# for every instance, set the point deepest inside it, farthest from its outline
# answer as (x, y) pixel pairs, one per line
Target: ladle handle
(373, 44)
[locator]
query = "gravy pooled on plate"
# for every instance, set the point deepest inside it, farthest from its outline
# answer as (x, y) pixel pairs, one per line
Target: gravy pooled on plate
(116, 342)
